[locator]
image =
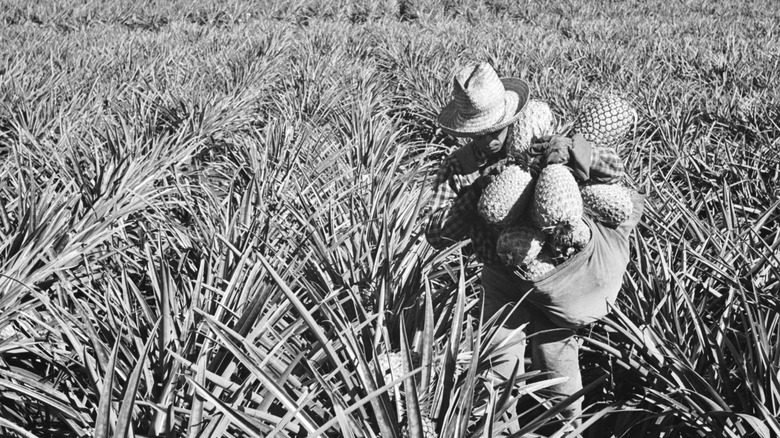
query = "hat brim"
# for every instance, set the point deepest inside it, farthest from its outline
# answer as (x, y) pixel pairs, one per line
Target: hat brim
(450, 122)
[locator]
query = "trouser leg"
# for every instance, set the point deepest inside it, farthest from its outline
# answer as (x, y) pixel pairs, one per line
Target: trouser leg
(499, 298)
(557, 350)
(553, 348)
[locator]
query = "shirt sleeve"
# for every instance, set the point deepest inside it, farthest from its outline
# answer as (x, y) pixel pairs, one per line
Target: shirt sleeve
(593, 163)
(605, 165)
(453, 207)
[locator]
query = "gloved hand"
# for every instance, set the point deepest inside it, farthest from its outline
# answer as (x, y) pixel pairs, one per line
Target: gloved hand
(574, 152)
(482, 182)
(466, 205)
(536, 155)
(488, 174)
(549, 149)
(558, 149)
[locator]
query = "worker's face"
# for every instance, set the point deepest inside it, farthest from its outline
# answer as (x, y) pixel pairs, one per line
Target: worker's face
(491, 143)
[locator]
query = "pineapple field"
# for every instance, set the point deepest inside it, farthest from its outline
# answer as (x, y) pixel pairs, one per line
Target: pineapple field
(211, 218)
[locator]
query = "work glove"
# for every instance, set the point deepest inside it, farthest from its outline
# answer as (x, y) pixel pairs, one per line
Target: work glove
(551, 149)
(466, 205)
(482, 182)
(537, 156)
(557, 151)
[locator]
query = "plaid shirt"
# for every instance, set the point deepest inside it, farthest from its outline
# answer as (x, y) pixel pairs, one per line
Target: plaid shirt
(453, 213)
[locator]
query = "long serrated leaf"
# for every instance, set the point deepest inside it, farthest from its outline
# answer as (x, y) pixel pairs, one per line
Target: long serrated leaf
(103, 420)
(125, 416)
(427, 341)
(309, 319)
(564, 432)
(470, 383)
(42, 391)
(367, 399)
(457, 317)
(195, 423)
(385, 423)
(758, 426)
(346, 429)
(559, 407)
(413, 414)
(229, 338)
(345, 422)
(307, 399)
(490, 413)
(502, 404)
(16, 428)
(246, 426)
(771, 420)
(443, 395)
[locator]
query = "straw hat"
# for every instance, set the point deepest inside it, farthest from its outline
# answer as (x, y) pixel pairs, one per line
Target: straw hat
(481, 102)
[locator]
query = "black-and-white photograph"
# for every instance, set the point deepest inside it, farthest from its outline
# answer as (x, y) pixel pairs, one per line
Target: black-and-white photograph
(390, 218)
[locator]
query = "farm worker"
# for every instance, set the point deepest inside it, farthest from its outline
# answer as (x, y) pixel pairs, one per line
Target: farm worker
(485, 108)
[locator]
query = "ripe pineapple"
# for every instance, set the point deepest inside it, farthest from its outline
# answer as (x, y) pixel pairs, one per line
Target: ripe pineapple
(391, 364)
(428, 427)
(7, 332)
(557, 202)
(539, 267)
(519, 244)
(537, 121)
(506, 197)
(610, 204)
(605, 120)
(575, 237)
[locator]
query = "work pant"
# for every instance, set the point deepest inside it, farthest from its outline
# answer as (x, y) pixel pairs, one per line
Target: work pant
(553, 348)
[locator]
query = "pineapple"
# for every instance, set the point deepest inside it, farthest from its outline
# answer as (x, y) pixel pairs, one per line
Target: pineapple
(537, 121)
(428, 427)
(605, 120)
(519, 244)
(7, 332)
(557, 203)
(567, 241)
(575, 237)
(610, 204)
(539, 267)
(391, 364)
(505, 198)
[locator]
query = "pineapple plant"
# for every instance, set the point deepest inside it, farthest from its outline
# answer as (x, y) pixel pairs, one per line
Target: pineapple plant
(557, 203)
(505, 198)
(519, 244)
(605, 120)
(610, 204)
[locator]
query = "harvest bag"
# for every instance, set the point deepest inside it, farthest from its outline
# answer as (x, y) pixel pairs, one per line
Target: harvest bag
(577, 292)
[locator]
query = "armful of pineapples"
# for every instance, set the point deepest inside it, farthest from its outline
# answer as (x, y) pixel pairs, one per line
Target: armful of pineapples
(570, 176)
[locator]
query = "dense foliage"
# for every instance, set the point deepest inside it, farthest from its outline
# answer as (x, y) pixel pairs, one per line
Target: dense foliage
(210, 216)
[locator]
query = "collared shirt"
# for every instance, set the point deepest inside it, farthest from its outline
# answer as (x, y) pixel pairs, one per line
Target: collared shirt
(453, 215)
